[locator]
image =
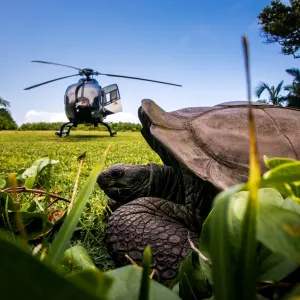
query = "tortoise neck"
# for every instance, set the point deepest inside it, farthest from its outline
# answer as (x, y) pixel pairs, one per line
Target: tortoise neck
(199, 196)
(166, 182)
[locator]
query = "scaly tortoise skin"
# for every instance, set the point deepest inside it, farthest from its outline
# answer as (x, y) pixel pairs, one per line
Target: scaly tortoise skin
(204, 150)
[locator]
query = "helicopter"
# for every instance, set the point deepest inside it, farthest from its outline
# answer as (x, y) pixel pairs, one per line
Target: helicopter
(86, 102)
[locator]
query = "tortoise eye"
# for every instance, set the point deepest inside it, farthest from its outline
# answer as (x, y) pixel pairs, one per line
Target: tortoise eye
(115, 174)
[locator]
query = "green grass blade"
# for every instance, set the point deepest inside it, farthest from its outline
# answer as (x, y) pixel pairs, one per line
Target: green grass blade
(220, 246)
(63, 237)
(145, 282)
(246, 267)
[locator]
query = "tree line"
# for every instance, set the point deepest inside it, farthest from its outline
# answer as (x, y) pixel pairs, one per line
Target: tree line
(119, 126)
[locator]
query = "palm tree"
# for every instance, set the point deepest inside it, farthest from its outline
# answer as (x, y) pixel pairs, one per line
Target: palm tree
(274, 93)
(295, 73)
(4, 102)
(293, 97)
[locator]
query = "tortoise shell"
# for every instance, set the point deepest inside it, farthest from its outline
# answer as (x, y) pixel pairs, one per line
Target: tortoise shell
(213, 142)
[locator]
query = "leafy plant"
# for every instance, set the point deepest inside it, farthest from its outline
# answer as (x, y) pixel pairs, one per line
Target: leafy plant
(34, 223)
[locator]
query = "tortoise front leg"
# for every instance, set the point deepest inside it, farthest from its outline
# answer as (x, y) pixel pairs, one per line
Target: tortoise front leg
(113, 204)
(161, 224)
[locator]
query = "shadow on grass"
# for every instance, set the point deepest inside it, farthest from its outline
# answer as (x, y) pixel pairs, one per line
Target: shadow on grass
(85, 137)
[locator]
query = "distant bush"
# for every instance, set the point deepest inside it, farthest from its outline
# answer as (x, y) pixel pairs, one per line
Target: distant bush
(40, 126)
(6, 120)
(120, 126)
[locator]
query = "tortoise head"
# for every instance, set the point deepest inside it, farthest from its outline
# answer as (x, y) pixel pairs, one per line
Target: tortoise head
(123, 183)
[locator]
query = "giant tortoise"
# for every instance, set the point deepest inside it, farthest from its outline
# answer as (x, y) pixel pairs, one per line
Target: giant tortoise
(204, 150)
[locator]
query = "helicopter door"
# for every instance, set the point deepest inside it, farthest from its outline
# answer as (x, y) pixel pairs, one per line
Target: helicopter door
(111, 100)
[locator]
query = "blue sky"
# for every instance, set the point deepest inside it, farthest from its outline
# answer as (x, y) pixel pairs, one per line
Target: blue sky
(193, 43)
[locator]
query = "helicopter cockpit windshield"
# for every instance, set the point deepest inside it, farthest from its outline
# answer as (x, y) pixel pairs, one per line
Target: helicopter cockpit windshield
(88, 94)
(89, 91)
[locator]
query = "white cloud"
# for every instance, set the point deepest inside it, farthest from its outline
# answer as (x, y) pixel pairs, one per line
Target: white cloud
(123, 117)
(33, 116)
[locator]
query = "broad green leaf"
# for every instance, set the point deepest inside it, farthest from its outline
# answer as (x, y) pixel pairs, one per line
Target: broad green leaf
(295, 189)
(76, 258)
(291, 205)
(271, 266)
(30, 172)
(288, 172)
(65, 233)
(93, 279)
(6, 201)
(220, 246)
(145, 281)
(2, 183)
(38, 166)
(29, 182)
(193, 283)
(269, 195)
(127, 282)
(33, 223)
(274, 162)
(279, 229)
(282, 187)
(23, 276)
(44, 162)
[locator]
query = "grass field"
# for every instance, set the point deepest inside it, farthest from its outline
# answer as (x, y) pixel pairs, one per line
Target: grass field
(18, 150)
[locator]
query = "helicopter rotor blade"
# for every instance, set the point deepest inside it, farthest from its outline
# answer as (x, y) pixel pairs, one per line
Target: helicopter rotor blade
(33, 86)
(51, 63)
(112, 75)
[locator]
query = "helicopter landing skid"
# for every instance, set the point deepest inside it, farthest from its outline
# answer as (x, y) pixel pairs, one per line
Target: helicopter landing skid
(66, 132)
(112, 133)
